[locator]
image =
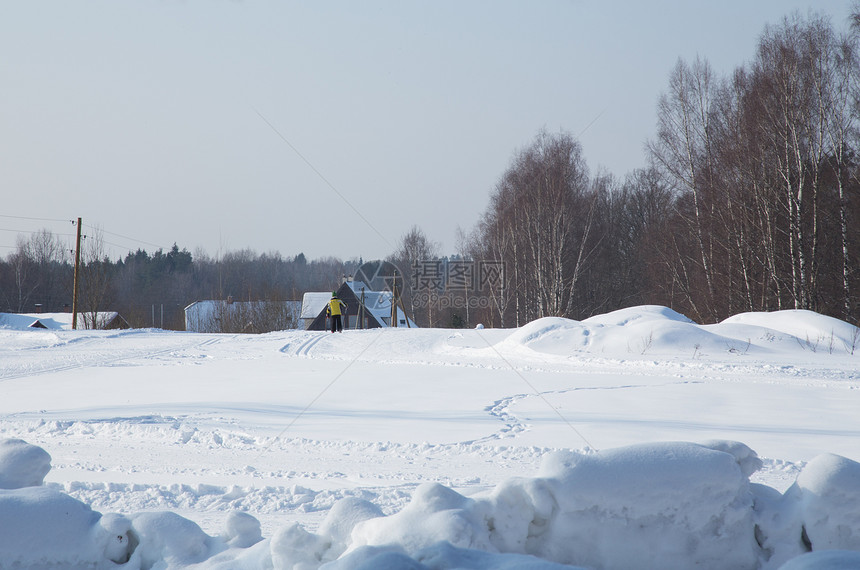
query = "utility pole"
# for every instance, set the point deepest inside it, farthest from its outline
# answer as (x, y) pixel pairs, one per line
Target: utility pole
(394, 301)
(77, 276)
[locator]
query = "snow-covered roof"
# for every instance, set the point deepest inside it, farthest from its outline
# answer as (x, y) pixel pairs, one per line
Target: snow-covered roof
(51, 321)
(378, 303)
(313, 303)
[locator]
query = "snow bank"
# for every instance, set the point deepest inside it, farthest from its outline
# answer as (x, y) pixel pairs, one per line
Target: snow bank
(660, 505)
(647, 506)
(651, 329)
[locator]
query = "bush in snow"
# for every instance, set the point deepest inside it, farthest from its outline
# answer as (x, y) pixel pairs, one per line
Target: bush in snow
(22, 464)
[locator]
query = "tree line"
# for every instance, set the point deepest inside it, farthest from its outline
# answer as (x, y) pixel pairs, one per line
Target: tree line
(152, 289)
(749, 201)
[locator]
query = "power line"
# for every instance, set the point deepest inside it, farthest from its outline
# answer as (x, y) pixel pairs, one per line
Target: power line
(32, 232)
(36, 219)
(67, 235)
(323, 178)
(123, 237)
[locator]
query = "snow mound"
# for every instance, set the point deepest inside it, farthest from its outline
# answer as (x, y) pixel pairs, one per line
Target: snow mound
(166, 537)
(642, 330)
(686, 504)
(828, 490)
(242, 530)
(554, 335)
(634, 315)
(652, 329)
(22, 464)
(44, 528)
(808, 329)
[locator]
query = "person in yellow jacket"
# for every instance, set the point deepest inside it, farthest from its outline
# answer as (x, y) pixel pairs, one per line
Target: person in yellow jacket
(334, 311)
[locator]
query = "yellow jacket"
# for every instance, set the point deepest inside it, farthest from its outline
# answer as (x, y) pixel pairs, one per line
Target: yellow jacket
(335, 307)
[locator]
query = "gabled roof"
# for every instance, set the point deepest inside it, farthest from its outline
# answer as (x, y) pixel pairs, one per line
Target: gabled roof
(313, 304)
(378, 303)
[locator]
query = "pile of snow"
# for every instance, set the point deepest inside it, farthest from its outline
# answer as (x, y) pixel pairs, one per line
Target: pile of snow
(651, 329)
(22, 464)
(662, 505)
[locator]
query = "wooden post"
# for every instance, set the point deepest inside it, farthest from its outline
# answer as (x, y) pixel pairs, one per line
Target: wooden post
(77, 278)
(394, 301)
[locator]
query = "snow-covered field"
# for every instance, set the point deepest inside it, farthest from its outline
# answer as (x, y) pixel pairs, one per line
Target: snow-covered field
(608, 443)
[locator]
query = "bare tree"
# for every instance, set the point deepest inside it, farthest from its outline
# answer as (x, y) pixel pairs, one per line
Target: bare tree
(684, 151)
(539, 223)
(23, 269)
(96, 273)
(842, 125)
(413, 257)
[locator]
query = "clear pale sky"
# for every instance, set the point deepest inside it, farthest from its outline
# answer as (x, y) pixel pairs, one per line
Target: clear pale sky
(255, 124)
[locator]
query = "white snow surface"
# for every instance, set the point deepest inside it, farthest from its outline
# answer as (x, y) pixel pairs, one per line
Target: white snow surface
(635, 439)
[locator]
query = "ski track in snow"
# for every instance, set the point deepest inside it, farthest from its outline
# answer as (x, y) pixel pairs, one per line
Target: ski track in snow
(303, 348)
(81, 358)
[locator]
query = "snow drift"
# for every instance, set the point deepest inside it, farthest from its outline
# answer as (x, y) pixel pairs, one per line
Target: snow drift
(662, 505)
(652, 329)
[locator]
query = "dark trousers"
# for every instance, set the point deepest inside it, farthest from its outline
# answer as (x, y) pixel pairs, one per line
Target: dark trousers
(336, 324)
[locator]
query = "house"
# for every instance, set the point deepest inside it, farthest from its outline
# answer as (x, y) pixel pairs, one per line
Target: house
(241, 316)
(63, 321)
(107, 320)
(365, 309)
